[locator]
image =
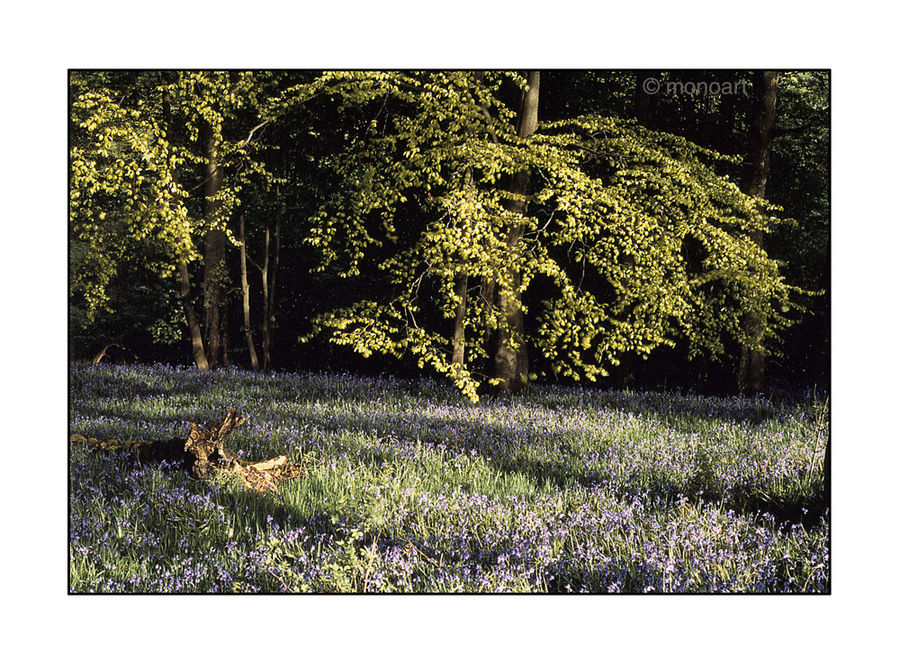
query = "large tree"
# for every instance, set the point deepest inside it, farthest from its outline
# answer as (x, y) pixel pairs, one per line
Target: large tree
(751, 369)
(635, 238)
(511, 351)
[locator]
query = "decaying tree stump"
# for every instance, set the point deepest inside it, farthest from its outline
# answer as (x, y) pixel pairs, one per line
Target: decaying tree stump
(203, 454)
(103, 351)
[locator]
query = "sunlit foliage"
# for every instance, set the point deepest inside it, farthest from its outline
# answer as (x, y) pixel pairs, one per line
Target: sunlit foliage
(134, 178)
(645, 243)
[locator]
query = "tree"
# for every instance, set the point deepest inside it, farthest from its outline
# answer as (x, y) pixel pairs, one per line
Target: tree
(142, 147)
(268, 270)
(511, 354)
(215, 274)
(245, 292)
(719, 118)
(123, 189)
(635, 239)
(198, 351)
(801, 155)
(762, 131)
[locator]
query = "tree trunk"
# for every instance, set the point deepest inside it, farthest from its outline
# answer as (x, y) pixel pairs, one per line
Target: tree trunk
(268, 283)
(489, 297)
(511, 354)
(751, 371)
(245, 290)
(225, 347)
(197, 351)
(214, 271)
(460, 286)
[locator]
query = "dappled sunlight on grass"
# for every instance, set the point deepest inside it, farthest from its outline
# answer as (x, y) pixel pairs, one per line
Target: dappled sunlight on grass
(406, 487)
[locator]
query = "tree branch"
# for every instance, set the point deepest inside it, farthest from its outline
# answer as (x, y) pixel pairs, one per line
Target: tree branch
(799, 130)
(252, 131)
(254, 263)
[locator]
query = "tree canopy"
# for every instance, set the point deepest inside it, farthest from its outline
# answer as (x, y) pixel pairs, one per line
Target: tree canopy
(466, 225)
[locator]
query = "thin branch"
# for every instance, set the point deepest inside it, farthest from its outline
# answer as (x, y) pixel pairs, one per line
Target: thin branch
(254, 263)
(206, 179)
(252, 131)
(802, 128)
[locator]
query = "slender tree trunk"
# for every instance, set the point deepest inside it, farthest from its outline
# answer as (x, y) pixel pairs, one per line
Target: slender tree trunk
(511, 354)
(273, 278)
(197, 350)
(264, 272)
(225, 347)
(245, 290)
(268, 271)
(751, 371)
(214, 272)
(460, 287)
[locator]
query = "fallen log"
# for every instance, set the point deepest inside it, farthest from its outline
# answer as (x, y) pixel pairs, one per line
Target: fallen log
(204, 454)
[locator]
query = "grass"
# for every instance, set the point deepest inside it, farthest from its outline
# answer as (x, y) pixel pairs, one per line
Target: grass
(407, 487)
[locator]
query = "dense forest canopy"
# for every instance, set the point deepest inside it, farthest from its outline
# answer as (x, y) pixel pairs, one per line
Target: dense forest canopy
(492, 227)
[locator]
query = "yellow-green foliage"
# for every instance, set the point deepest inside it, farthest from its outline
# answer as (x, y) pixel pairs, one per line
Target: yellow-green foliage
(127, 173)
(643, 240)
(612, 203)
